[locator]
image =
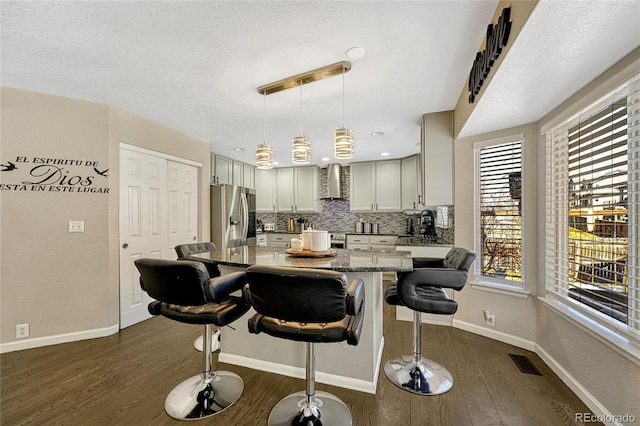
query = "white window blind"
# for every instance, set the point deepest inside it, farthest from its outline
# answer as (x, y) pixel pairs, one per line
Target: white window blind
(498, 211)
(593, 218)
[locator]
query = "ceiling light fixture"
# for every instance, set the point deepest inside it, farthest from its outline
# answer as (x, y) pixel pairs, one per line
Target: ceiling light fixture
(343, 138)
(301, 146)
(264, 153)
(306, 77)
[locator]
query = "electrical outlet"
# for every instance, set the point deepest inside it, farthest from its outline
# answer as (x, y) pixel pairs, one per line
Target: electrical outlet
(76, 226)
(489, 318)
(22, 331)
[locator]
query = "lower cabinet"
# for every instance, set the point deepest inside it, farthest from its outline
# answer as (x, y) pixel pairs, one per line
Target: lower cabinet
(371, 242)
(280, 240)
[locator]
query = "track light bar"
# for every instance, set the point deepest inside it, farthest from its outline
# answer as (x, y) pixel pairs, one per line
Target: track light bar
(306, 77)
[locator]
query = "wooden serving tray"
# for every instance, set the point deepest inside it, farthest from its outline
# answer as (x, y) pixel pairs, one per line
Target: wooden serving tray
(310, 253)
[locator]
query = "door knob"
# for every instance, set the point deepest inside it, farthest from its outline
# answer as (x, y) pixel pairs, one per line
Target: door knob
(195, 238)
(125, 246)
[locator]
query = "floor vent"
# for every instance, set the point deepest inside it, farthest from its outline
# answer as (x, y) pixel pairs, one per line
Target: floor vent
(525, 365)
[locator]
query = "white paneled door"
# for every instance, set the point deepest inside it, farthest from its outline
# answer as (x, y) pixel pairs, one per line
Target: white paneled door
(183, 204)
(158, 210)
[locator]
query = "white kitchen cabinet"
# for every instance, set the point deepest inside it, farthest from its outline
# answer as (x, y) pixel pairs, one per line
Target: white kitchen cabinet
(376, 186)
(262, 240)
(298, 189)
(371, 242)
(223, 170)
(410, 182)
(307, 189)
(437, 158)
(265, 190)
(280, 240)
(285, 189)
(388, 186)
(238, 173)
(362, 191)
(249, 177)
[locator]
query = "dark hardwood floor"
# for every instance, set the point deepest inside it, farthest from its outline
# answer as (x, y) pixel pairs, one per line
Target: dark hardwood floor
(124, 379)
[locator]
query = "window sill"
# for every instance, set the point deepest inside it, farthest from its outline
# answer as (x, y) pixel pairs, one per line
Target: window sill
(505, 289)
(623, 342)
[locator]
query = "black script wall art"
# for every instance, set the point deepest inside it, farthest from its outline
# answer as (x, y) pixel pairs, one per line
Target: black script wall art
(497, 37)
(44, 174)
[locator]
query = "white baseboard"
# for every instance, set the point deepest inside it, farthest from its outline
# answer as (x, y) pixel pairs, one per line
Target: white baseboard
(582, 393)
(38, 342)
(299, 372)
(496, 335)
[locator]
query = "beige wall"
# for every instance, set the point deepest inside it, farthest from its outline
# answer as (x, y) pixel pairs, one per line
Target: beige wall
(66, 285)
(604, 377)
(515, 315)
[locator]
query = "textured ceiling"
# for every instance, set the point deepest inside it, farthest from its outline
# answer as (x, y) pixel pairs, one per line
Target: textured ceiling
(195, 66)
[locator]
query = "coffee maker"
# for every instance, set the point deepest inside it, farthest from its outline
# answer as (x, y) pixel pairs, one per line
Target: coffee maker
(428, 223)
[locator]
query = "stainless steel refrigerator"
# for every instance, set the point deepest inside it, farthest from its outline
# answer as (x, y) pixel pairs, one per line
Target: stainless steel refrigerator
(233, 216)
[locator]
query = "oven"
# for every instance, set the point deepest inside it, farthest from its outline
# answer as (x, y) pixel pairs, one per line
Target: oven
(338, 239)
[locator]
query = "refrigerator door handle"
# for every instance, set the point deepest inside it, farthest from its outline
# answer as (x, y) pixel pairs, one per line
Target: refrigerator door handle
(245, 215)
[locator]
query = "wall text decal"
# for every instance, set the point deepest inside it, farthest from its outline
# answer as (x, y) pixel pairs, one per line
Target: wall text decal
(54, 175)
(497, 37)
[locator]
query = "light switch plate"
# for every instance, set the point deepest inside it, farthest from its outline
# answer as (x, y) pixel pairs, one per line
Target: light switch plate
(76, 226)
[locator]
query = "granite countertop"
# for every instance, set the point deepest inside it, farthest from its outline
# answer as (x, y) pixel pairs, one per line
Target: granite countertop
(344, 261)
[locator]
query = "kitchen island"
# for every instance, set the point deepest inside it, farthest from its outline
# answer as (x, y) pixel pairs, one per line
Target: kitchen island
(352, 367)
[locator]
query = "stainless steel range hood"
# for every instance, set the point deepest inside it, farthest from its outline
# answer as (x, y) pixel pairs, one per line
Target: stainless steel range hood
(334, 189)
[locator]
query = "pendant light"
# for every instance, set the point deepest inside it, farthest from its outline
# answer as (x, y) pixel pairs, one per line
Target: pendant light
(301, 146)
(264, 153)
(343, 139)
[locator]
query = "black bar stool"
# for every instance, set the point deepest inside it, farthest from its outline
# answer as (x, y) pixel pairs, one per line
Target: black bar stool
(422, 290)
(312, 306)
(185, 292)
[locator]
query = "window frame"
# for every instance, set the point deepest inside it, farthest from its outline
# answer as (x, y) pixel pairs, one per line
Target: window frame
(484, 281)
(624, 337)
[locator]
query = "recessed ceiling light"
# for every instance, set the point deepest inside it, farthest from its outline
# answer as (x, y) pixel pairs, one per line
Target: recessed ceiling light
(237, 148)
(355, 53)
(325, 159)
(377, 133)
(385, 154)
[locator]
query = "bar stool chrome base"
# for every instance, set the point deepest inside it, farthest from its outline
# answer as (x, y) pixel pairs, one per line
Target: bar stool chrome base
(423, 377)
(199, 397)
(326, 409)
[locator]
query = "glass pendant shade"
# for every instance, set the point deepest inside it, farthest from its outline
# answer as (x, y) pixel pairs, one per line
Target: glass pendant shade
(264, 156)
(343, 144)
(300, 150)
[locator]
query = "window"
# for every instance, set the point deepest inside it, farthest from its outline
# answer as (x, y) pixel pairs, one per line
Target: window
(593, 213)
(498, 211)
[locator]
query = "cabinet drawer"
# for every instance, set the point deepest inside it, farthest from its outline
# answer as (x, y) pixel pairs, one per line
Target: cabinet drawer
(356, 246)
(280, 244)
(357, 239)
(273, 238)
(383, 239)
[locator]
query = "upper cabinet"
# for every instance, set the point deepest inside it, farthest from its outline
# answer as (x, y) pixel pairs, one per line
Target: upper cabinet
(376, 186)
(298, 189)
(307, 189)
(249, 176)
(436, 151)
(410, 179)
(238, 173)
(265, 190)
(222, 170)
(231, 172)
